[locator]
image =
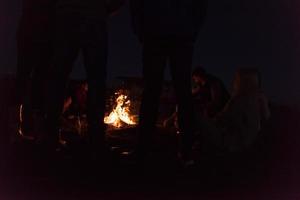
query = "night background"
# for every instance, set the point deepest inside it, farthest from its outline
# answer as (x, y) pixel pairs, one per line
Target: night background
(259, 33)
(262, 33)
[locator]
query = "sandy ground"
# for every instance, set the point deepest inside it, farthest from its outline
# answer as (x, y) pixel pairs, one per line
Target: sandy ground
(272, 173)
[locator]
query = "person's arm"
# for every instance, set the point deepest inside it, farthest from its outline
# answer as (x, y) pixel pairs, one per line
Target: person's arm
(171, 120)
(114, 6)
(67, 104)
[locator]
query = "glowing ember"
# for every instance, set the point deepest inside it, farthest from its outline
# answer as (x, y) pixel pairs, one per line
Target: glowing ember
(121, 113)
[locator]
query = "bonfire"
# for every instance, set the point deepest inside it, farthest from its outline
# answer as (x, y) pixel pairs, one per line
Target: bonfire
(120, 115)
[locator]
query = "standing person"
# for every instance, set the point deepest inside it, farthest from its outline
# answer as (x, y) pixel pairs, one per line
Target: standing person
(35, 51)
(80, 25)
(167, 30)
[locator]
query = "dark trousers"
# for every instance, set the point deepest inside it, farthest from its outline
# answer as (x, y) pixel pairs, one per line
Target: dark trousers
(34, 58)
(157, 53)
(35, 53)
(76, 33)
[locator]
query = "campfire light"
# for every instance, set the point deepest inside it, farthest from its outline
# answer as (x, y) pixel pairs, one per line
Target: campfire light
(20, 120)
(121, 113)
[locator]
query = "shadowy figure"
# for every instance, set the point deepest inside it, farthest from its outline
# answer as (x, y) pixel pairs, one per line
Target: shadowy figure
(75, 102)
(35, 53)
(209, 92)
(80, 26)
(167, 30)
(209, 97)
(237, 127)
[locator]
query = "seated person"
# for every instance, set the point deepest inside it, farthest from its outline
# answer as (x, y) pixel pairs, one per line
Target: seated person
(209, 92)
(76, 101)
(74, 111)
(237, 127)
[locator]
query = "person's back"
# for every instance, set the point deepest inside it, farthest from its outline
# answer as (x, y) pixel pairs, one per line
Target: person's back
(178, 18)
(241, 120)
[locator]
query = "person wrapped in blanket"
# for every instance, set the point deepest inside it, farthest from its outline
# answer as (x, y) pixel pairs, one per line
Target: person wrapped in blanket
(237, 127)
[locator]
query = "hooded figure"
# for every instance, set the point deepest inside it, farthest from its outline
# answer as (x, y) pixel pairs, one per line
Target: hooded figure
(80, 25)
(167, 30)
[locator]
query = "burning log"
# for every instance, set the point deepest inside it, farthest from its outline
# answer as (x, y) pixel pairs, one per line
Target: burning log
(121, 114)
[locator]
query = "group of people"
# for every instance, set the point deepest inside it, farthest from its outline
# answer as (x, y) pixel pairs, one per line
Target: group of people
(52, 32)
(238, 125)
(227, 122)
(209, 96)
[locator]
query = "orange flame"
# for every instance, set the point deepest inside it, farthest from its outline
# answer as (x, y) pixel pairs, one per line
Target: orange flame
(121, 113)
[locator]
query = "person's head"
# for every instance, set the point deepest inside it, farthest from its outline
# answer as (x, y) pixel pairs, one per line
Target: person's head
(199, 75)
(246, 81)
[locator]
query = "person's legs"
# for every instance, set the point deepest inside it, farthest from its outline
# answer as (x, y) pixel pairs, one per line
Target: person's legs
(34, 58)
(94, 41)
(181, 65)
(66, 48)
(154, 63)
(39, 76)
(43, 51)
(25, 65)
(25, 57)
(35, 50)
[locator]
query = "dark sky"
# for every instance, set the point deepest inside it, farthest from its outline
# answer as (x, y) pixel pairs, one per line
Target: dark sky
(262, 33)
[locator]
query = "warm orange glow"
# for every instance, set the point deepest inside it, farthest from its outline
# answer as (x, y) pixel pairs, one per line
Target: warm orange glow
(20, 120)
(121, 113)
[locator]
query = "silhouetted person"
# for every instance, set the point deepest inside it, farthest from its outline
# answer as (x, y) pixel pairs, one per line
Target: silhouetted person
(237, 127)
(75, 102)
(167, 30)
(35, 51)
(209, 92)
(209, 96)
(81, 25)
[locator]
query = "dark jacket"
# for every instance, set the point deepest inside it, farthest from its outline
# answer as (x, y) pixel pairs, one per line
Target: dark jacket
(179, 18)
(213, 95)
(92, 8)
(37, 19)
